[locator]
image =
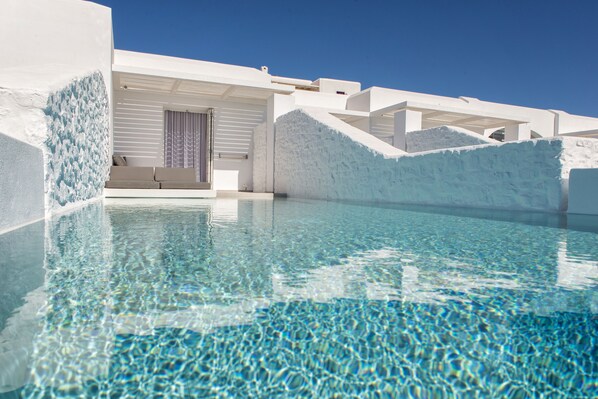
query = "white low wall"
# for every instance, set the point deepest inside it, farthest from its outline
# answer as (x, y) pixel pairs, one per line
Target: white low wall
(319, 156)
(69, 128)
(21, 183)
(55, 89)
(583, 191)
(442, 137)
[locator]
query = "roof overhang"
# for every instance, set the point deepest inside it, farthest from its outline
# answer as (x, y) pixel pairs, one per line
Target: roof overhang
(436, 115)
(140, 79)
(348, 115)
(593, 134)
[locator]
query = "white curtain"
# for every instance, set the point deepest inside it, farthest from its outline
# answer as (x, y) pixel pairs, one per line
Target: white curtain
(186, 141)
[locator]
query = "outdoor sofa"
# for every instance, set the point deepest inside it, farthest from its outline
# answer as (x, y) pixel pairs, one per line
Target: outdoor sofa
(147, 177)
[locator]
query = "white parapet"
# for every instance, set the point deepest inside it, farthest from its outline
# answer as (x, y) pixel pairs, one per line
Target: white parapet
(319, 156)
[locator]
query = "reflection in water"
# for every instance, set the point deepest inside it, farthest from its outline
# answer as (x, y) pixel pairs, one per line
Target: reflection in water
(21, 297)
(305, 298)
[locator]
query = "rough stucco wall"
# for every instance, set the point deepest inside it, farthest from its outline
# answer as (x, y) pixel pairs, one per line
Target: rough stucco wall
(259, 158)
(78, 143)
(21, 183)
(314, 160)
(578, 153)
(442, 137)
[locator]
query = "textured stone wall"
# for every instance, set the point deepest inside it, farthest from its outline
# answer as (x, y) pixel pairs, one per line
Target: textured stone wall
(21, 183)
(78, 142)
(442, 137)
(319, 156)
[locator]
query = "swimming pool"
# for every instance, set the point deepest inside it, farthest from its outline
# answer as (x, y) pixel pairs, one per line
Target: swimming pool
(295, 298)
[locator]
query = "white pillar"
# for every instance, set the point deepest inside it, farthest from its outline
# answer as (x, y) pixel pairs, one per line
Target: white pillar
(278, 104)
(406, 121)
(516, 132)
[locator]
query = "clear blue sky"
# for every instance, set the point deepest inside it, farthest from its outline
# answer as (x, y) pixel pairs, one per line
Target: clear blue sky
(540, 54)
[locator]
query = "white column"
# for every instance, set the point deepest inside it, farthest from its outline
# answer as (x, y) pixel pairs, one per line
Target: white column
(278, 104)
(516, 132)
(406, 121)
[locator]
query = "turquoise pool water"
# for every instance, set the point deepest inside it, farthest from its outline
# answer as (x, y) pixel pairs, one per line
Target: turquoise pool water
(299, 299)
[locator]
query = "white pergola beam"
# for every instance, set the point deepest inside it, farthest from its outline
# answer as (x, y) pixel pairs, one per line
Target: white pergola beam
(466, 120)
(434, 114)
(175, 86)
(228, 92)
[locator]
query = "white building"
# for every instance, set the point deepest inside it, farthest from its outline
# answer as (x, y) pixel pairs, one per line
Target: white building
(146, 85)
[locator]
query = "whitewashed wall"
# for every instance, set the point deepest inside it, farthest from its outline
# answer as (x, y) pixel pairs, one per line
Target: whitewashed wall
(70, 128)
(139, 132)
(57, 35)
(567, 123)
(259, 158)
(55, 90)
(319, 156)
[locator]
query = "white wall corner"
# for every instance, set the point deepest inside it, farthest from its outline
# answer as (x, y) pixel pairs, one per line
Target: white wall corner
(278, 104)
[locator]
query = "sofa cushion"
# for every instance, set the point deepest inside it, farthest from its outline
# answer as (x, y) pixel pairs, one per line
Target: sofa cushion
(184, 185)
(132, 184)
(132, 173)
(175, 174)
(118, 160)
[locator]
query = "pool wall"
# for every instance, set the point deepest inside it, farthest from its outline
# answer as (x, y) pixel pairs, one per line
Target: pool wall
(55, 90)
(21, 183)
(318, 156)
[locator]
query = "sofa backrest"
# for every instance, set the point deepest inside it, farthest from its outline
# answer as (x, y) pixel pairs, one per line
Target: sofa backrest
(132, 173)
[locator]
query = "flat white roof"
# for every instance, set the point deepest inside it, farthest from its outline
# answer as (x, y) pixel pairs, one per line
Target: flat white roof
(156, 73)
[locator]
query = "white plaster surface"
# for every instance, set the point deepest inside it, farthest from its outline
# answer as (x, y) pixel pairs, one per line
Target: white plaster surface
(319, 156)
(47, 39)
(443, 137)
(583, 191)
(212, 70)
(259, 158)
(69, 128)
